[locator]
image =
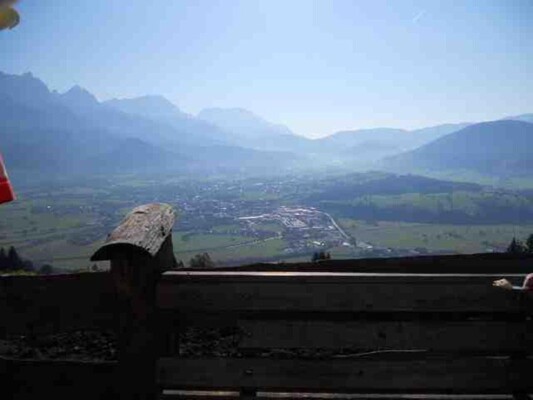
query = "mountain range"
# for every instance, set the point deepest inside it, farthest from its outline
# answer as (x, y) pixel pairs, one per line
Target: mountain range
(46, 131)
(497, 148)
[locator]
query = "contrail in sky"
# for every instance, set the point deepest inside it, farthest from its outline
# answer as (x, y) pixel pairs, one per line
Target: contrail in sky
(418, 16)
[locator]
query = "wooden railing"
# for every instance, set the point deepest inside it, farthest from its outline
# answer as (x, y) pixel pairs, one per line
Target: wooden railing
(250, 331)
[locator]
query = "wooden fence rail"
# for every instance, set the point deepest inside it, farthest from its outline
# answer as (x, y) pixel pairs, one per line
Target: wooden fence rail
(352, 326)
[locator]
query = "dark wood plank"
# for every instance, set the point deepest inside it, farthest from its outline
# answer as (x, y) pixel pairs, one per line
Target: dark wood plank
(37, 380)
(367, 396)
(195, 395)
(494, 337)
(435, 264)
(476, 375)
(320, 276)
(191, 395)
(47, 304)
(145, 228)
(484, 263)
(312, 292)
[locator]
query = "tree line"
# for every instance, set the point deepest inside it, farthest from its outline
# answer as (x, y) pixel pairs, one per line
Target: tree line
(11, 261)
(199, 261)
(518, 247)
(320, 255)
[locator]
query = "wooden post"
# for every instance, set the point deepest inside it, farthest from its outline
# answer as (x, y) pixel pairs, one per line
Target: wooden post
(139, 249)
(525, 308)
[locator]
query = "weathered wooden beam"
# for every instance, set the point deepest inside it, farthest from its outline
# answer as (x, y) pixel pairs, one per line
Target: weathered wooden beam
(226, 292)
(144, 229)
(477, 375)
(484, 263)
(452, 337)
(139, 249)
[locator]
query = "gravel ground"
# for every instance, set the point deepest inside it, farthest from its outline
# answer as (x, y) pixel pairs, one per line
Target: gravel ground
(78, 345)
(192, 342)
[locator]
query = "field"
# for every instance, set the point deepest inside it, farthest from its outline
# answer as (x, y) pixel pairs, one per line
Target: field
(45, 236)
(65, 227)
(267, 250)
(200, 242)
(436, 237)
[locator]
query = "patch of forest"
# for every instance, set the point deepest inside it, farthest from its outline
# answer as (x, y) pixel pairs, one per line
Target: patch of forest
(412, 198)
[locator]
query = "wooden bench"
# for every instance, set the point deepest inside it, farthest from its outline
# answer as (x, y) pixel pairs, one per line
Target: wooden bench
(317, 331)
(358, 333)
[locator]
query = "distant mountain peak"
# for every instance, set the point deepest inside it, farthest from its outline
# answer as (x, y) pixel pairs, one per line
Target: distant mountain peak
(25, 88)
(77, 90)
(156, 98)
(79, 97)
(150, 103)
(153, 106)
(243, 122)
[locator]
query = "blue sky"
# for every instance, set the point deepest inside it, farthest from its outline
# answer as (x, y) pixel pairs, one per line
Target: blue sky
(316, 66)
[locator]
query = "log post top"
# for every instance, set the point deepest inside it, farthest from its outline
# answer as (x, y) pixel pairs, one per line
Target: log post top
(139, 249)
(144, 229)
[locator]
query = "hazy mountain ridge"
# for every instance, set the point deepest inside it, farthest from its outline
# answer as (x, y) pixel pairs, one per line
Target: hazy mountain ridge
(253, 131)
(522, 117)
(387, 138)
(496, 148)
(367, 145)
(243, 122)
(74, 132)
(87, 107)
(25, 89)
(154, 106)
(161, 110)
(75, 129)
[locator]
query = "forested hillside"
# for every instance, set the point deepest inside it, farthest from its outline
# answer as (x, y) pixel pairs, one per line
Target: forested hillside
(497, 148)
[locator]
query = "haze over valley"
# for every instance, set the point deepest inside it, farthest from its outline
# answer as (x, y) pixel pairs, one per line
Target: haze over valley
(252, 190)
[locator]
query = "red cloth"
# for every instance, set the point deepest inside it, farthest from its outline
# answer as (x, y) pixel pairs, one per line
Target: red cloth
(6, 191)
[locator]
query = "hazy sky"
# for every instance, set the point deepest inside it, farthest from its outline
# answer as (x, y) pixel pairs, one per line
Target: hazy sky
(316, 66)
